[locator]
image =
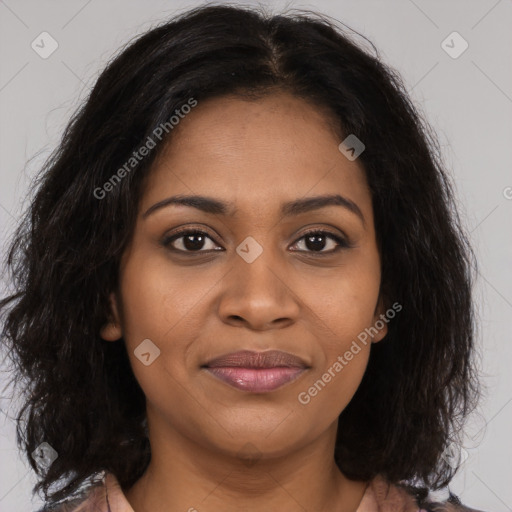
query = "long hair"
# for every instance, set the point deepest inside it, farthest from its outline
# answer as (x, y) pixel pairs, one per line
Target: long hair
(81, 396)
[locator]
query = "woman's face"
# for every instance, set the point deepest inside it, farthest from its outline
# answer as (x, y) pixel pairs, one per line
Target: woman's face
(253, 281)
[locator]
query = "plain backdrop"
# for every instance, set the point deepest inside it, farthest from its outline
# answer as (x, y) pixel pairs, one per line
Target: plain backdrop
(467, 98)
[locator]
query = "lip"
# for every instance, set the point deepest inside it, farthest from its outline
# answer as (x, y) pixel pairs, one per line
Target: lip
(256, 372)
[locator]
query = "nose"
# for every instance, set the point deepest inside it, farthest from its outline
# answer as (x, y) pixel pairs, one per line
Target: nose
(258, 295)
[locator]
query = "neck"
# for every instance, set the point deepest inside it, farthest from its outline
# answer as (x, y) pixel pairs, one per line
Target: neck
(185, 476)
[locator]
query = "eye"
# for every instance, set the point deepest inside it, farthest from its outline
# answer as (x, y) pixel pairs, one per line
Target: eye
(190, 240)
(317, 240)
(194, 240)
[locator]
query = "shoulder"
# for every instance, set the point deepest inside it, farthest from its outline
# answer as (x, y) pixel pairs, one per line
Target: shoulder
(89, 498)
(442, 500)
(382, 496)
(453, 504)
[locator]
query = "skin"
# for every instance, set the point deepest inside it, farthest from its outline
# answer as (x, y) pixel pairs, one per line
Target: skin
(215, 447)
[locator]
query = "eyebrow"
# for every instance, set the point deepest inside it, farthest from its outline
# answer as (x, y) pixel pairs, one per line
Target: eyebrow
(296, 207)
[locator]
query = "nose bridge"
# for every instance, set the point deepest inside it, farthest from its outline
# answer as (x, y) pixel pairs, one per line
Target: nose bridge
(256, 289)
(258, 265)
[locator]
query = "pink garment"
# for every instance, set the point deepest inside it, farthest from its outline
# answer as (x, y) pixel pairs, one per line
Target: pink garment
(379, 497)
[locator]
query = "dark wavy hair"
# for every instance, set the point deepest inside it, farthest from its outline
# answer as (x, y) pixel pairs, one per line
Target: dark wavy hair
(80, 394)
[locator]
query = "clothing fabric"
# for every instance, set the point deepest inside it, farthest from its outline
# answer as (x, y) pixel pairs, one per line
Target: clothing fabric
(107, 496)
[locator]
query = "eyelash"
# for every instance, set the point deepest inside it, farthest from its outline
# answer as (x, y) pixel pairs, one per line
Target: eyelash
(342, 243)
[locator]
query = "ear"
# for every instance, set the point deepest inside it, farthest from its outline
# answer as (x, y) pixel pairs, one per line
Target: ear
(380, 321)
(112, 331)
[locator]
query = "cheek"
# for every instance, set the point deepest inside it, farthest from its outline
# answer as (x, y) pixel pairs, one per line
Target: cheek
(154, 308)
(343, 306)
(343, 311)
(327, 393)
(157, 299)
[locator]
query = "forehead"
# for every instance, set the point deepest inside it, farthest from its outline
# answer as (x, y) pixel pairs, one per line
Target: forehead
(254, 153)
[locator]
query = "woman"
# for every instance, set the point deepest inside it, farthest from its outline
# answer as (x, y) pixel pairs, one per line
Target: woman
(242, 284)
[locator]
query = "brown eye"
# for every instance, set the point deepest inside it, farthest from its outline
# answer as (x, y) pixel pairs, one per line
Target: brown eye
(196, 241)
(190, 240)
(317, 241)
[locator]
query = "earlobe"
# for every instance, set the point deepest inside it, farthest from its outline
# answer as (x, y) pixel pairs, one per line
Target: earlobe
(112, 331)
(380, 321)
(383, 330)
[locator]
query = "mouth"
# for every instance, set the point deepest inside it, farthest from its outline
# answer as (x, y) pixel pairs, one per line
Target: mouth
(256, 372)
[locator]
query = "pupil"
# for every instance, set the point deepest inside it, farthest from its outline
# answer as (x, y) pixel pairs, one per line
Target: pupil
(193, 241)
(312, 245)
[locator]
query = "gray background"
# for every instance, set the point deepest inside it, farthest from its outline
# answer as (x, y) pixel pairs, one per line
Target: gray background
(468, 100)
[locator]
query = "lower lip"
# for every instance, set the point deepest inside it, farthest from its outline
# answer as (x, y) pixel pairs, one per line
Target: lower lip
(259, 380)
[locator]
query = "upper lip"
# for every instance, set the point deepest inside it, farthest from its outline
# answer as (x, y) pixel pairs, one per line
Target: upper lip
(250, 359)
